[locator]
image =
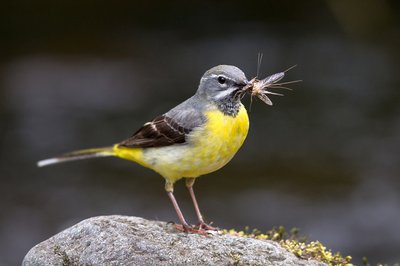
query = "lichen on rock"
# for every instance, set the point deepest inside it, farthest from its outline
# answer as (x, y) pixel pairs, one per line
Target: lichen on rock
(296, 244)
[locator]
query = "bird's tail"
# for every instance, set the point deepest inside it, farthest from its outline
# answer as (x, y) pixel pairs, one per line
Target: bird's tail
(78, 155)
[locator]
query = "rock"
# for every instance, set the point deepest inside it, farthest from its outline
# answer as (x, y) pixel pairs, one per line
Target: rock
(121, 240)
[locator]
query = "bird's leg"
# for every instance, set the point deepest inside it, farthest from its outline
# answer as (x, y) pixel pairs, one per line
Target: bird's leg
(169, 187)
(202, 224)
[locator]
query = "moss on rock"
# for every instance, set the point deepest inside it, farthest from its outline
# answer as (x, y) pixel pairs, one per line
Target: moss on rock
(296, 244)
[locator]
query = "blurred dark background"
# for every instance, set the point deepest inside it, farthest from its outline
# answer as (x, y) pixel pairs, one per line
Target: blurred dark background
(324, 158)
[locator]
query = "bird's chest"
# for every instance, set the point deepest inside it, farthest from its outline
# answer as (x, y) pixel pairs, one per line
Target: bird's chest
(226, 132)
(221, 138)
(208, 148)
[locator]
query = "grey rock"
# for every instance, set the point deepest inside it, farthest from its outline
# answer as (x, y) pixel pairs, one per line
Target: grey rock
(121, 240)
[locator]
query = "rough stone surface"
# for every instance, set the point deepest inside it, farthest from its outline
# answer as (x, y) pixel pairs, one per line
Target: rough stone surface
(121, 240)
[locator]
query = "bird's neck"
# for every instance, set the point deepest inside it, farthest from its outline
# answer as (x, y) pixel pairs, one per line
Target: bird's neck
(229, 106)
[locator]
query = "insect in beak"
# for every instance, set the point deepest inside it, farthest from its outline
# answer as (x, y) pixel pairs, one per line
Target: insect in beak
(259, 88)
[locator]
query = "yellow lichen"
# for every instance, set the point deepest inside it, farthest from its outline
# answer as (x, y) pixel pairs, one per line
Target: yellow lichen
(295, 244)
(315, 250)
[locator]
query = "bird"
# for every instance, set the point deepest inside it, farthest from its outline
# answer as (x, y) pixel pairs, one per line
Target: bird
(197, 137)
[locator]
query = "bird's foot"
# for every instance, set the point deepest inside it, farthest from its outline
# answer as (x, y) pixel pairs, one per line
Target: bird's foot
(207, 227)
(191, 230)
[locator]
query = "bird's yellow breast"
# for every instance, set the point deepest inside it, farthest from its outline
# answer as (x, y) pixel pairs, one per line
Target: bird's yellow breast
(207, 148)
(221, 138)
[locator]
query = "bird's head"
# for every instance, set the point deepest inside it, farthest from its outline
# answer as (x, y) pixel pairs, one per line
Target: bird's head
(223, 84)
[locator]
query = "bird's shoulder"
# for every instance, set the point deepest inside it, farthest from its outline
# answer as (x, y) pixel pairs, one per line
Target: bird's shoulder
(170, 128)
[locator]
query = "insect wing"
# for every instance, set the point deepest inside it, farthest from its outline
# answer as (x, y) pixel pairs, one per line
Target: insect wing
(273, 78)
(264, 98)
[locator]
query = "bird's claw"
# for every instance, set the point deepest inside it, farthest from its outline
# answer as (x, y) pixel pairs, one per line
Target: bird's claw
(201, 229)
(207, 227)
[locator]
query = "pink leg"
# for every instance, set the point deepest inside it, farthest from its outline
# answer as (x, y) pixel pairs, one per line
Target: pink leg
(169, 187)
(202, 224)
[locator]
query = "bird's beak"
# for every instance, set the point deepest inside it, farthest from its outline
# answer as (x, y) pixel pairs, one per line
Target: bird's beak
(247, 85)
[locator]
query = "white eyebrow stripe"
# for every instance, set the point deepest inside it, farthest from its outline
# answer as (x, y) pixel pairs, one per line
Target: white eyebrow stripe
(216, 76)
(224, 93)
(220, 75)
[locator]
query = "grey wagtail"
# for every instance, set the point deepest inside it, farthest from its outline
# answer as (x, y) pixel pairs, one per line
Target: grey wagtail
(197, 137)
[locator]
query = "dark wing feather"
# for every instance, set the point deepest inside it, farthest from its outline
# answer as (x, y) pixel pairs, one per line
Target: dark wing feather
(162, 131)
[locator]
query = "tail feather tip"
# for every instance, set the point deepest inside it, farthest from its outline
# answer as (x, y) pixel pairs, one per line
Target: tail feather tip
(47, 162)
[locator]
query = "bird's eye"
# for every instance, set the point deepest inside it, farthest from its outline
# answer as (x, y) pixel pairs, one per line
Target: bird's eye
(221, 80)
